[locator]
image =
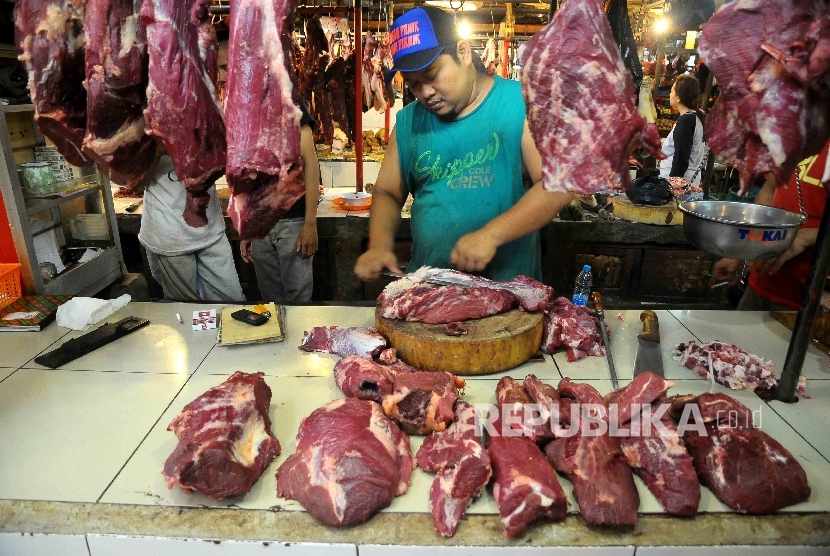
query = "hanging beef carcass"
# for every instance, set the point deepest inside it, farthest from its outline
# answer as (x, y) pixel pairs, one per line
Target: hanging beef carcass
(183, 109)
(771, 60)
(265, 167)
(369, 46)
(317, 59)
(50, 41)
(225, 439)
(337, 93)
(351, 462)
(581, 102)
(116, 82)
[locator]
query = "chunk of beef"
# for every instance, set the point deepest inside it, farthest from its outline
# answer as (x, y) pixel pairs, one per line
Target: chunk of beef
(365, 342)
(360, 377)
(423, 401)
(225, 439)
(573, 327)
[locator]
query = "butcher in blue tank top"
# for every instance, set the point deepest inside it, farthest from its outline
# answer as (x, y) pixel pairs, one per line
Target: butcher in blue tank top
(464, 151)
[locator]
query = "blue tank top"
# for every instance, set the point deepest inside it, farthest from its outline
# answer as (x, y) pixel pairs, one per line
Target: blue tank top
(462, 174)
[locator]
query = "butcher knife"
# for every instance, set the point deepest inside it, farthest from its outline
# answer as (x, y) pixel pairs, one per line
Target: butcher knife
(597, 299)
(649, 357)
(427, 278)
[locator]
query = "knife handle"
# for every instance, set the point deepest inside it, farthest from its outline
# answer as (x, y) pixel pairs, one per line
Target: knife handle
(651, 326)
(596, 297)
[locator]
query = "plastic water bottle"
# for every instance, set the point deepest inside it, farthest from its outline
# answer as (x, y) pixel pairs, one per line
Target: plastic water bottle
(582, 287)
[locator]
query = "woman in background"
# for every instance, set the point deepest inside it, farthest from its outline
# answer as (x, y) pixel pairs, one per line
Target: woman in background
(684, 145)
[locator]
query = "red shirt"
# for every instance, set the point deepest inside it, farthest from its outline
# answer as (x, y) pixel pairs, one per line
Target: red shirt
(789, 284)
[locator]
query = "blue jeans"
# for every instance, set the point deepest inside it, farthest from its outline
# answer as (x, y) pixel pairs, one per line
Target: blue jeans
(282, 273)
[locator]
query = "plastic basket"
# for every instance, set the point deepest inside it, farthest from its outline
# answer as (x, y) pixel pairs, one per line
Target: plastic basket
(10, 289)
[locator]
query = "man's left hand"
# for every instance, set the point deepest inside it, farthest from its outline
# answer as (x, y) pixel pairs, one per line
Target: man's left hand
(473, 252)
(307, 240)
(805, 238)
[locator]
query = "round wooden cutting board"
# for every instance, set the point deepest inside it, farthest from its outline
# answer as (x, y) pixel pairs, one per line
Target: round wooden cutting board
(667, 215)
(492, 344)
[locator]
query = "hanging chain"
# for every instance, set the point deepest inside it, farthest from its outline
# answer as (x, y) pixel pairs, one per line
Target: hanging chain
(800, 196)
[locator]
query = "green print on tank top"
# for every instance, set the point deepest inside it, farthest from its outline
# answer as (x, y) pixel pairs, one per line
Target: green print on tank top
(435, 171)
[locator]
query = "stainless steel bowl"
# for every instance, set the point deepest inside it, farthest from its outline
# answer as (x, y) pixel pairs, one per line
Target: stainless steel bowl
(739, 230)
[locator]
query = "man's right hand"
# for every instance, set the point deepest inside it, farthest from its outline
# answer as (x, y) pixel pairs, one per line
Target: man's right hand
(370, 263)
(726, 270)
(245, 250)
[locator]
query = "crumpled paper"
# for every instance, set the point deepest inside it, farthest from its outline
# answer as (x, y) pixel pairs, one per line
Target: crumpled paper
(80, 312)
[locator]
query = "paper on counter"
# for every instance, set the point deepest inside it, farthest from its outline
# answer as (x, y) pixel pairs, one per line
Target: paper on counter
(204, 320)
(80, 312)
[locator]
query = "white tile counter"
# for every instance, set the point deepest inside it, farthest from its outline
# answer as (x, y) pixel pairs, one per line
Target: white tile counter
(84, 445)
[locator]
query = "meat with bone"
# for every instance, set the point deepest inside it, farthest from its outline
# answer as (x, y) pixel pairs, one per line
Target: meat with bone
(183, 109)
(265, 169)
(365, 342)
(771, 60)
(369, 46)
(317, 59)
(225, 439)
(595, 463)
(410, 298)
(462, 466)
(733, 367)
(743, 466)
(519, 412)
(423, 401)
(525, 487)
(581, 102)
(351, 462)
(116, 82)
(50, 42)
(574, 327)
(656, 453)
(359, 377)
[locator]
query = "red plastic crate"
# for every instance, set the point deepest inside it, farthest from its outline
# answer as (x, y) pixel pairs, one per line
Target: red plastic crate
(10, 280)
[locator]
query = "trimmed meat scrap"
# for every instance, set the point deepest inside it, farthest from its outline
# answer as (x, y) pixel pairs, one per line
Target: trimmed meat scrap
(360, 377)
(423, 401)
(365, 342)
(183, 109)
(574, 327)
(732, 366)
(50, 42)
(265, 169)
(225, 439)
(581, 102)
(351, 462)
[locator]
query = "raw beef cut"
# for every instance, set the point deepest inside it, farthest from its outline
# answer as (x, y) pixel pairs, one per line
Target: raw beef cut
(365, 342)
(225, 439)
(359, 377)
(413, 299)
(351, 462)
(265, 169)
(743, 466)
(315, 61)
(771, 60)
(657, 455)
(462, 466)
(581, 102)
(574, 327)
(733, 367)
(547, 400)
(525, 487)
(183, 109)
(50, 42)
(596, 465)
(523, 415)
(116, 83)
(423, 401)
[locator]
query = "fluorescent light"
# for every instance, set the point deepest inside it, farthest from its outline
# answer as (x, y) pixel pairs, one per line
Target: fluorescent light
(464, 30)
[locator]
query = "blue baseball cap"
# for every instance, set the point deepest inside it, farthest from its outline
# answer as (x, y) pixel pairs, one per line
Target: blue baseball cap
(418, 37)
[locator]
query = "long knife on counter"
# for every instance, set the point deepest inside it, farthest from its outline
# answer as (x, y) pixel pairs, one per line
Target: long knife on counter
(597, 299)
(649, 357)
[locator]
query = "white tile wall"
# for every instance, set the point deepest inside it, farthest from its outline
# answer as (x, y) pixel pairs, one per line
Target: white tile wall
(381, 550)
(733, 550)
(337, 173)
(105, 545)
(24, 544)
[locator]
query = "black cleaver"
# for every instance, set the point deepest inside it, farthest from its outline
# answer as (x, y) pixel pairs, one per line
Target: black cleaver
(649, 357)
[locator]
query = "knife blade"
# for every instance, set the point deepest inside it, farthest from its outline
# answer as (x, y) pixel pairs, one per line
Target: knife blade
(597, 299)
(649, 357)
(422, 277)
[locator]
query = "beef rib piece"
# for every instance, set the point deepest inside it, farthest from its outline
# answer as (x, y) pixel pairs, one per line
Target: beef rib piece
(360, 377)
(581, 102)
(771, 60)
(525, 487)
(183, 109)
(462, 466)
(225, 439)
(596, 465)
(657, 454)
(423, 401)
(116, 82)
(50, 42)
(365, 342)
(351, 462)
(743, 466)
(265, 169)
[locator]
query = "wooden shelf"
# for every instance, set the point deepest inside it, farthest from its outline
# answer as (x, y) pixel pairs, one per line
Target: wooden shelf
(40, 204)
